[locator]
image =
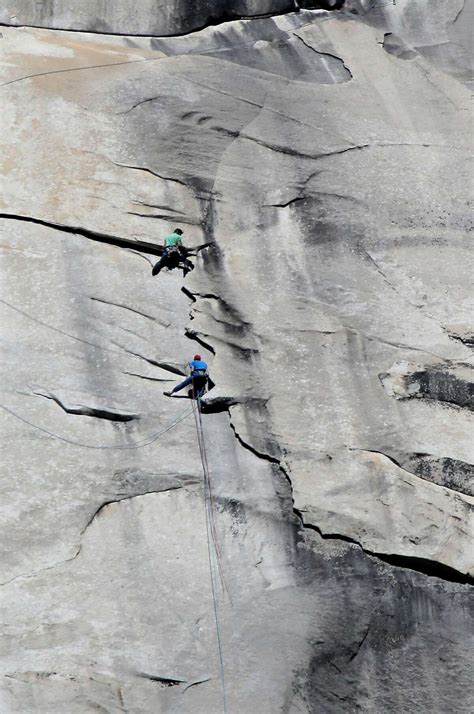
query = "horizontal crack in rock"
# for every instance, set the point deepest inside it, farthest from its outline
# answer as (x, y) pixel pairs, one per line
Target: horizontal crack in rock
(432, 568)
(164, 681)
(100, 509)
(83, 410)
(156, 363)
(422, 470)
(420, 565)
(34, 573)
(73, 69)
(163, 217)
(125, 307)
(144, 246)
(224, 17)
(151, 379)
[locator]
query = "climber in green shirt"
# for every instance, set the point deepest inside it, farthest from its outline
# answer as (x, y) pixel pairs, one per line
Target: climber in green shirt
(174, 254)
(174, 239)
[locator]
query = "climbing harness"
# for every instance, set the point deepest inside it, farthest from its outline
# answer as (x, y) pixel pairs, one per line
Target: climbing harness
(146, 441)
(213, 547)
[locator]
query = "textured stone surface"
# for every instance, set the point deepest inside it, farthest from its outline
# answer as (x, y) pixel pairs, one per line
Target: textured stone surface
(329, 175)
(148, 17)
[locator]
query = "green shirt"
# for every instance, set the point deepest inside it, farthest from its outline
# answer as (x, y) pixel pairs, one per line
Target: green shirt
(172, 239)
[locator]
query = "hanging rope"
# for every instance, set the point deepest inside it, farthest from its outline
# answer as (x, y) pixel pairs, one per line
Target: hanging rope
(209, 500)
(146, 441)
(213, 550)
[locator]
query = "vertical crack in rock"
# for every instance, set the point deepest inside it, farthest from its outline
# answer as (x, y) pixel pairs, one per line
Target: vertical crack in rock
(460, 11)
(421, 565)
(360, 645)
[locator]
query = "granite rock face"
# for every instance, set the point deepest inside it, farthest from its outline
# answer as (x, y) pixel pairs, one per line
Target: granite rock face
(148, 17)
(317, 162)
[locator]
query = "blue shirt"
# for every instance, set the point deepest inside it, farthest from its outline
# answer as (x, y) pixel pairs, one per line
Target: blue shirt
(196, 366)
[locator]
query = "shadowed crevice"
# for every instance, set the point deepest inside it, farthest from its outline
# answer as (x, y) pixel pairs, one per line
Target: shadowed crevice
(425, 566)
(83, 410)
(193, 335)
(431, 568)
(164, 681)
(108, 239)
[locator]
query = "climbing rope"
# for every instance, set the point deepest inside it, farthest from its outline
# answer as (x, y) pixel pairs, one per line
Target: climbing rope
(209, 499)
(146, 441)
(213, 548)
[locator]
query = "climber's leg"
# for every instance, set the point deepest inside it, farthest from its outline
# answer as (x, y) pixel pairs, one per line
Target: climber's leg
(187, 267)
(179, 386)
(199, 387)
(162, 263)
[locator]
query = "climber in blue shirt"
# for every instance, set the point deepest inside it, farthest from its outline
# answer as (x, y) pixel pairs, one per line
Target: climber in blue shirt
(198, 378)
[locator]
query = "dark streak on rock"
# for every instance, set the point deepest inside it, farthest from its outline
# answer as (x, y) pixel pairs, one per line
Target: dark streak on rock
(440, 385)
(449, 473)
